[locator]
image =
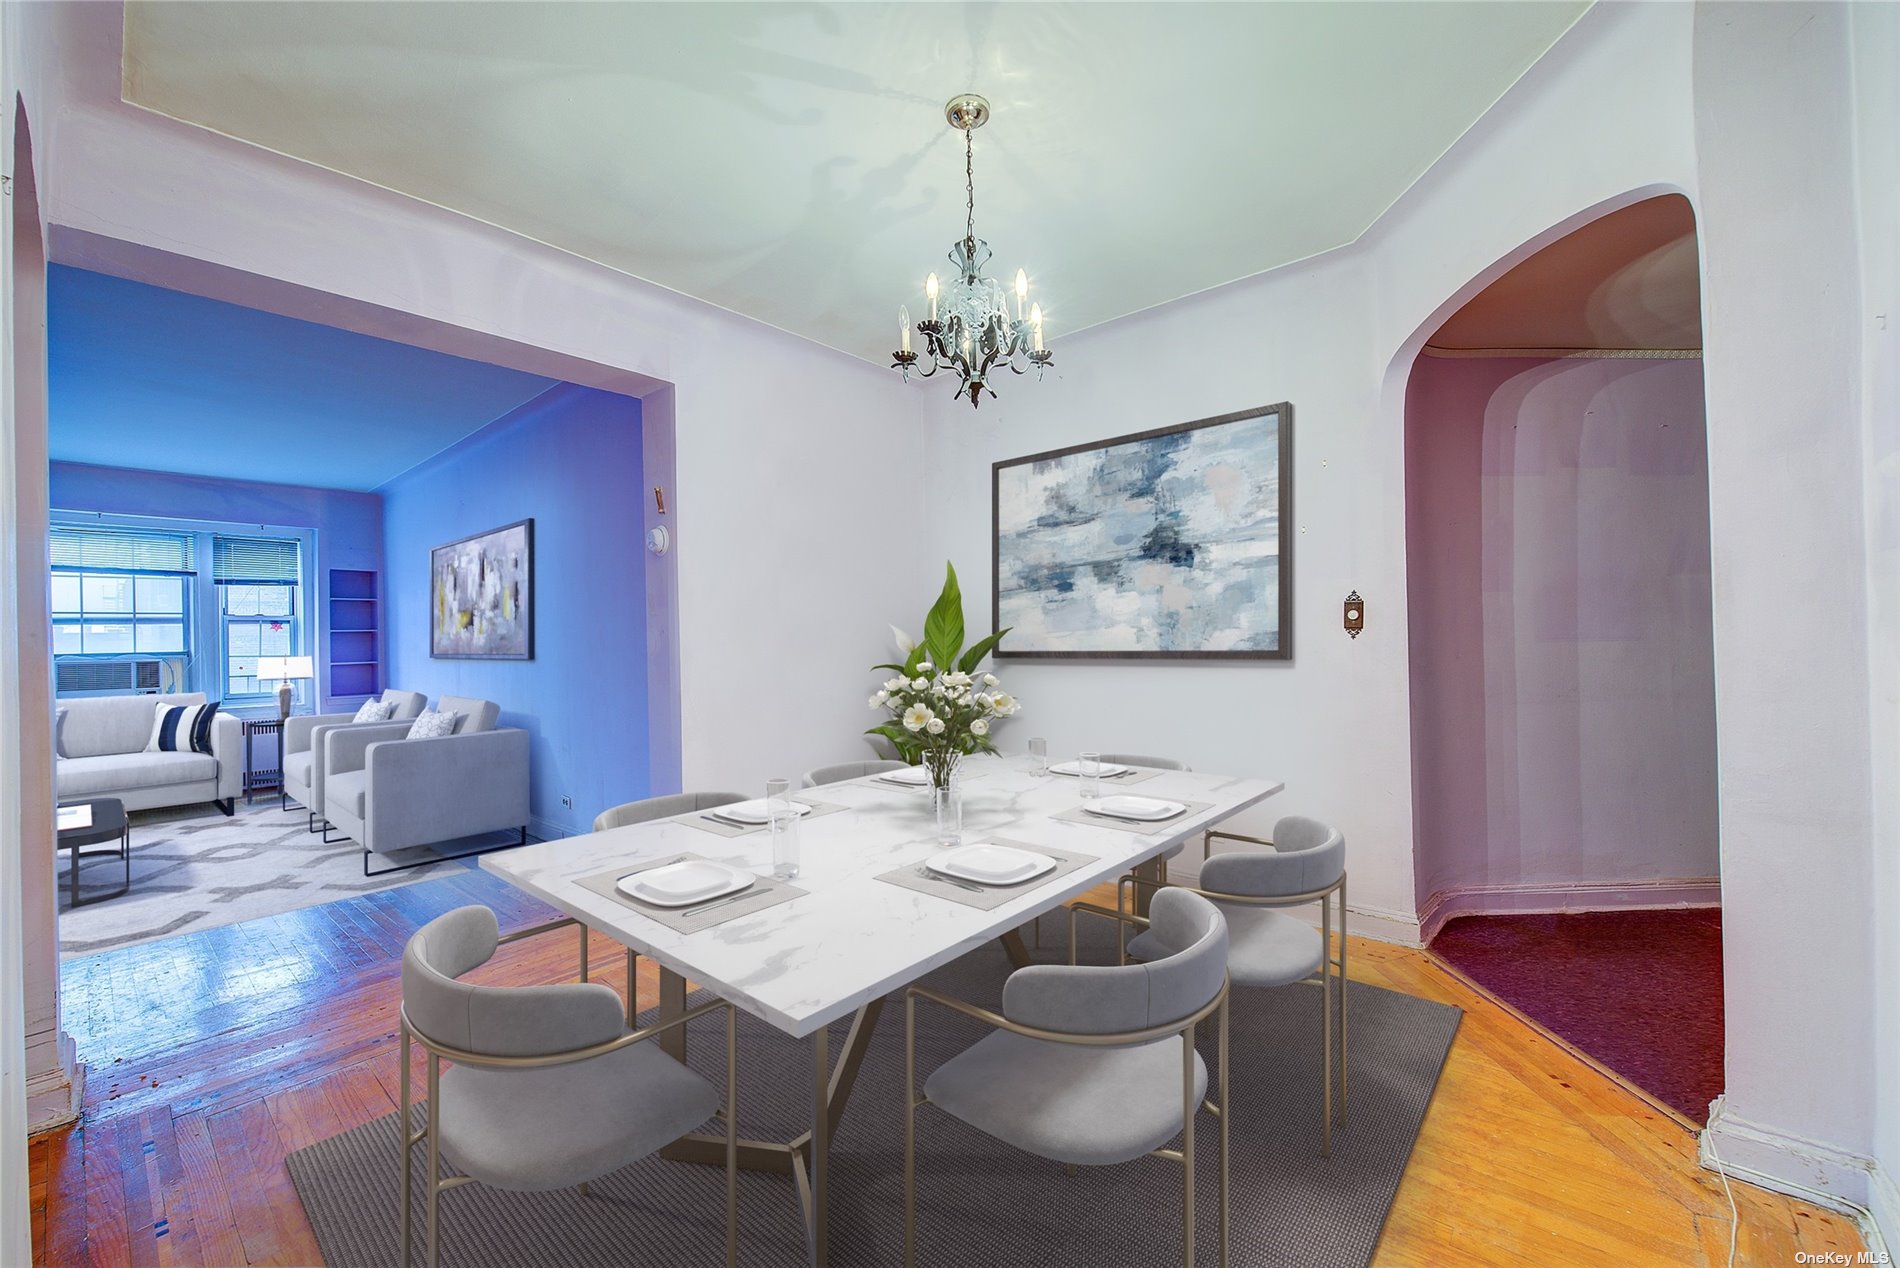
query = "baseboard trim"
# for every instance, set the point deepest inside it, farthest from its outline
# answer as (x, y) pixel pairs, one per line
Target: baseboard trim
(1807, 1169)
(54, 1097)
(548, 830)
(1881, 1225)
(1491, 900)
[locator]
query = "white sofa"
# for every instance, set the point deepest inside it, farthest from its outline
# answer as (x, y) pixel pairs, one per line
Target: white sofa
(102, 754)
(388, 792)
(303, 741)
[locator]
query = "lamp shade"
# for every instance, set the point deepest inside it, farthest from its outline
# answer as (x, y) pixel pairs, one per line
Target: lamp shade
(285, 668)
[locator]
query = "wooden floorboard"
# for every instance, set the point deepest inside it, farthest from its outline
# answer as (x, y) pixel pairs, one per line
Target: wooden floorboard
(213, 1056)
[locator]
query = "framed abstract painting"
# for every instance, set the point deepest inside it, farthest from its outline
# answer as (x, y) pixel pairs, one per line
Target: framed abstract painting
(1172, 543)
(481, 596)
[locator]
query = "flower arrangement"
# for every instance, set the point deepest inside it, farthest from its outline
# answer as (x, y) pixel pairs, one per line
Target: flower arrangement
(940, 706)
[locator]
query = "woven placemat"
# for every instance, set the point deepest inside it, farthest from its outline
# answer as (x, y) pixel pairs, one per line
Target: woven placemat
(988, 896)
(1079, 815)
(766, 891)
(720, 828)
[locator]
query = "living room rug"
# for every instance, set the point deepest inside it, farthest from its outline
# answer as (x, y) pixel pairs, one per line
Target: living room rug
(979, 1201)
(193, 868)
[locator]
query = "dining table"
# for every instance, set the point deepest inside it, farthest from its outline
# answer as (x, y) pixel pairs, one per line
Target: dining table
(859, 927)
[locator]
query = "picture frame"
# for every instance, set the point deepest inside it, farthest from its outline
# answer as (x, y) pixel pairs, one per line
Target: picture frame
(1187, 527)
(481, 595)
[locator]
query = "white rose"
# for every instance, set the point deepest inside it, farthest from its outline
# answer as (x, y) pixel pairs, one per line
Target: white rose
(979, 727)
(894, 684)
(916, 718)
(1004, 703)
(934, 726)
(877, 701)
(989, 680)
(985, 700)
(925, 667)
(918, 684)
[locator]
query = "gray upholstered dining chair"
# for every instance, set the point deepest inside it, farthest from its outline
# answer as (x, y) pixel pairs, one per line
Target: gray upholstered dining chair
(1305, 862)
(1090, 1065)
(1154, 763)
(548, 1089)
(846, 770)
(651, 808)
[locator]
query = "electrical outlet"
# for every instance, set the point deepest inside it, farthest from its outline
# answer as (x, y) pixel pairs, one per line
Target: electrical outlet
(567, 803)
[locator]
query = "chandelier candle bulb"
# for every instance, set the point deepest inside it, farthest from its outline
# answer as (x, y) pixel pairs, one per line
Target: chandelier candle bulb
(930, 289)
(903, 327)
(1022, 292)
(1035, 325)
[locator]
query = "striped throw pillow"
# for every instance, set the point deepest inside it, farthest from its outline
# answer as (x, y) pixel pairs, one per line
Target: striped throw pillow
(182, 728)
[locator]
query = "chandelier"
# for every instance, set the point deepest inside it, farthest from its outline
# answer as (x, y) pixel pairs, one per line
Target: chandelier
(970, 329)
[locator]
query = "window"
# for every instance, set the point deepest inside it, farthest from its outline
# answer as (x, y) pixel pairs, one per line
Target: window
(259, 583)
(120, 592)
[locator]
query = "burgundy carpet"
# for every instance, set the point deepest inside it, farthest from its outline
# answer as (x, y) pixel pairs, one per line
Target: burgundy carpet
(1641, 991)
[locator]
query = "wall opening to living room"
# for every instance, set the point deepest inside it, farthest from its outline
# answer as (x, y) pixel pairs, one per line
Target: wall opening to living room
(1562, 666)
(239, 493)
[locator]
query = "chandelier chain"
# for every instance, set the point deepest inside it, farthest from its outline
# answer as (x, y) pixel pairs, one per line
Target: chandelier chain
(969, 184)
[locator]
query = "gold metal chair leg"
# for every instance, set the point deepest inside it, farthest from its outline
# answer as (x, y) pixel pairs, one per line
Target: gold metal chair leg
(732, 1127)
(583, 929)
(1223, 1134)
(1189, 1104)
(1326, 1028)
(435, 1185)
(818, 1159)
(583, 1188)
(402, 1131)
(910, 1119)
(1345, 985)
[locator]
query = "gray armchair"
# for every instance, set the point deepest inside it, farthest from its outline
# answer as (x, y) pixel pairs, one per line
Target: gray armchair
(388, 792)
(1305, 862)
(846, 770)
(302, 746)
(547, 1089)
(1090, 1065)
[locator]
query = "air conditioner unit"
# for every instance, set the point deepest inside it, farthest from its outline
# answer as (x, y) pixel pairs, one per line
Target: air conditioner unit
(90, 676)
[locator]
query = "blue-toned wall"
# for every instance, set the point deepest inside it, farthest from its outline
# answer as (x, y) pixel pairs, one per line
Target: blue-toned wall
(349, 526)
(570, 460)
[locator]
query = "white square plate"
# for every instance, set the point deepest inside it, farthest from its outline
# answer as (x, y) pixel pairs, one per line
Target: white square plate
(909, 777)
(1105, 769)
(991, 864)
(1141, 809)
(684, 883)
(753, 812)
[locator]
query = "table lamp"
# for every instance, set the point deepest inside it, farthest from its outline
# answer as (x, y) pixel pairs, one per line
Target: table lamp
(284, 670)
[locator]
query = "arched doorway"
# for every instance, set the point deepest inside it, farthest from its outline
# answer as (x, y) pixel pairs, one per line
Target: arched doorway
(1562, 672)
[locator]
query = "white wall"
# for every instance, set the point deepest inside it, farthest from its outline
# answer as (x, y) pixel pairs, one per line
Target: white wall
(1774, 133)
(1875, 39)
(797, 467)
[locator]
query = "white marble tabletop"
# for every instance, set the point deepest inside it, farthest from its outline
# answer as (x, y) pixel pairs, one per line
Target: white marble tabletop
(852, 938)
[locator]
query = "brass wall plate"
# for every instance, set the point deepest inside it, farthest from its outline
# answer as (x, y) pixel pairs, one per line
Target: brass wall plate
(1355, 614)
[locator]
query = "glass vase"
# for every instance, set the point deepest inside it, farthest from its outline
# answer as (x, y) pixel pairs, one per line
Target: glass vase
(946, 795)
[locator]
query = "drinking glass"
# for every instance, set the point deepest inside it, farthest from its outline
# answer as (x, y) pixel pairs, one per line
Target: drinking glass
(1039, 756)
(782, 814)
(1090, 777)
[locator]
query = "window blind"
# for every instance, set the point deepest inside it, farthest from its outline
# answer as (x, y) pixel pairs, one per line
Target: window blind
(121, 550)
(255, 561)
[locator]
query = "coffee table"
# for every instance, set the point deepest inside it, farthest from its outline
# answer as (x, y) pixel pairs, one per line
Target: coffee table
(108, 825)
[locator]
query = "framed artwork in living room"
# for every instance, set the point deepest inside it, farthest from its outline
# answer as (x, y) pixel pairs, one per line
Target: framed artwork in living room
(481, 596)
(1171, 543)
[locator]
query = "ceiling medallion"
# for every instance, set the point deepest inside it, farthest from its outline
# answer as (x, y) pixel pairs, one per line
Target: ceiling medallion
(975, 333)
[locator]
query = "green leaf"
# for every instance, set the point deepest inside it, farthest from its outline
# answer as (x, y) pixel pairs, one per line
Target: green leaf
(913, 660)
(943, 627)
(896, 668)
(974, 657)
(908, 746)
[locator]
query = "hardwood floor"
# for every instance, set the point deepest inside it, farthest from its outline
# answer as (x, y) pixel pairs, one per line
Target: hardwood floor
(213, 1056)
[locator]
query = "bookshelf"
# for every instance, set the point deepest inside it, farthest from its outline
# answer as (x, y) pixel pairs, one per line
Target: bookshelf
(355, 634)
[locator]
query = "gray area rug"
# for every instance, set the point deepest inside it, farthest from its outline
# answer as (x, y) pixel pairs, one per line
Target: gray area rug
(193, 868)
(979, 1202)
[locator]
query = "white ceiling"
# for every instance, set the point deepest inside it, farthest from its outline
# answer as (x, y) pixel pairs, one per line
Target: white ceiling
(791, 161)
